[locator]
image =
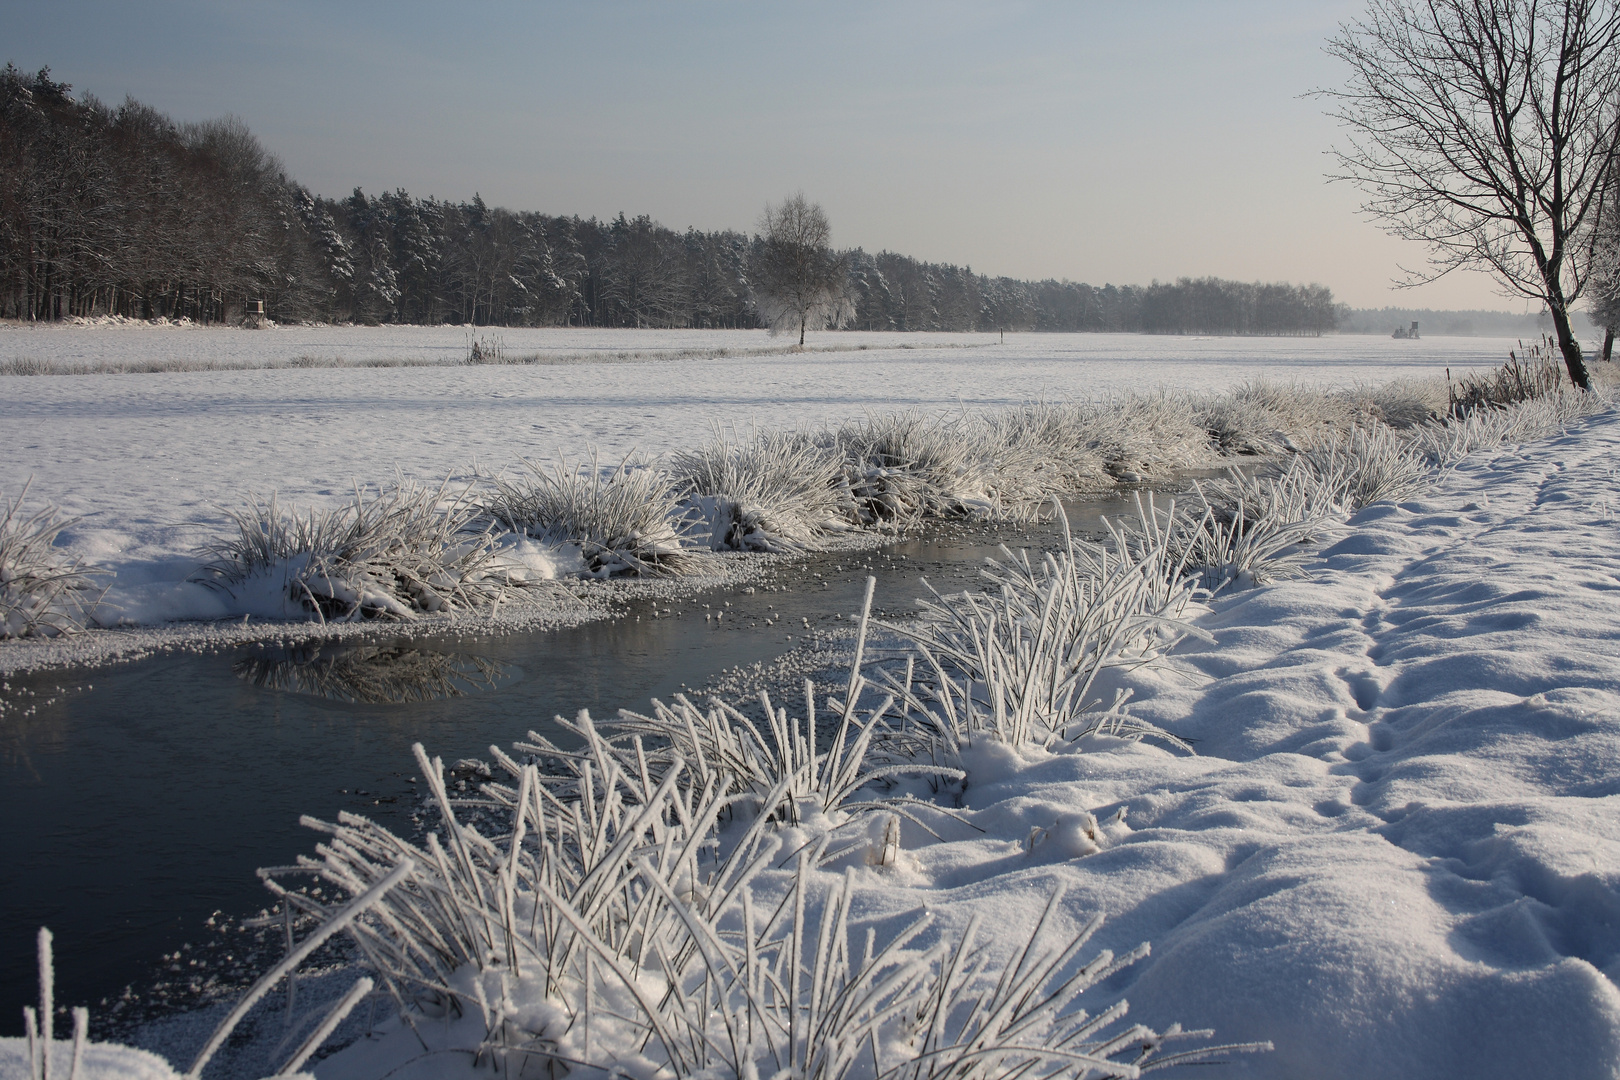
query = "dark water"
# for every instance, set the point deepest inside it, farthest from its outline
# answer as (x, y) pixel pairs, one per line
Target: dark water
(138, 799)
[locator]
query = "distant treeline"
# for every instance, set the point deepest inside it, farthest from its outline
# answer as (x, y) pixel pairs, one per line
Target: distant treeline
(1443, 323)
(121, 211)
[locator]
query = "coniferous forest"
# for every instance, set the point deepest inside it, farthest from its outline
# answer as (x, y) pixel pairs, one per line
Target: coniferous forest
(121, 211)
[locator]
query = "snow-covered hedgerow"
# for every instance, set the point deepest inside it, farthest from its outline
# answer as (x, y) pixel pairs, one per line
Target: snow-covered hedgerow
(774, 491)
(394, 553)
(42, 593)
(624, 520)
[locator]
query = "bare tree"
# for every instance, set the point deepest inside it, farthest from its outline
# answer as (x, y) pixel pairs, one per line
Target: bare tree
(797, 279)
(1484, 128)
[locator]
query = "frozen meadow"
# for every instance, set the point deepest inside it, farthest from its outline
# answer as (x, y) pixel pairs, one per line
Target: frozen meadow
(1395, 851)
(154, 463)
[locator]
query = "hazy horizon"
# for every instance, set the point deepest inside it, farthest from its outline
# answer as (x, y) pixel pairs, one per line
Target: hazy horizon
(1086, 142)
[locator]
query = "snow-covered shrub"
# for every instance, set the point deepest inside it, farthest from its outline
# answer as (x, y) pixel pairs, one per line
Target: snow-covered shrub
(394, 553)
(622, 519)
(42, 593)
(773, 492)
(1019, 660)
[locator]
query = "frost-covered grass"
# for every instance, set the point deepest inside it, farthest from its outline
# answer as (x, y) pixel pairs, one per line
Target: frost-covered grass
(773, 491)
(902, 467)
(1019, 661)
(396, 553)
(42, 592)
(1255, 529)
(663, 891)
(624, 520)
(142, 464)
(1533, 419)
(657, 899)
(1537, 373)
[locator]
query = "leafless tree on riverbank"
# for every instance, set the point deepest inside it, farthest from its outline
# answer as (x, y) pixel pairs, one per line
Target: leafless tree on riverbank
(1485, 129)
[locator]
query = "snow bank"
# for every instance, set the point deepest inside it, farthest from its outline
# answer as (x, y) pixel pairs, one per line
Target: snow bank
(1398, 851)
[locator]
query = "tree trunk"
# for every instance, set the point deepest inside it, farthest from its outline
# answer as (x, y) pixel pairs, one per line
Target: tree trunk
(802, 321)
(1608, 343)
(1568, 346)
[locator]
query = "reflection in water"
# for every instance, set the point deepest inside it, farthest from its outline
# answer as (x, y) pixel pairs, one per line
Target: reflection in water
(370, 674)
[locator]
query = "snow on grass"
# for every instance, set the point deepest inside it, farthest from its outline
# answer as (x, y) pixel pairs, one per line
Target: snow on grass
(394, 553)
(623, 520)
(636, 906)
(152, 466)
(42, 591)
(1396, 832)
(1019, 661)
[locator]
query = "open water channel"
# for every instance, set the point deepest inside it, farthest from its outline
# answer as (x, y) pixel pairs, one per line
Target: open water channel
(138, 799)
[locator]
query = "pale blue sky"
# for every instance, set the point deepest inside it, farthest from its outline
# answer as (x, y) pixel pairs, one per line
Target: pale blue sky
(1103, 142)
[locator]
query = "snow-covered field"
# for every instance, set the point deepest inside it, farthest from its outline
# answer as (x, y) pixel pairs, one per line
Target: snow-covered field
(152, 462)
(1397, 851)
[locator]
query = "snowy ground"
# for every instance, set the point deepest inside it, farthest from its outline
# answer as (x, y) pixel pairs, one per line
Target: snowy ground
(1397, 853)
(152, 461)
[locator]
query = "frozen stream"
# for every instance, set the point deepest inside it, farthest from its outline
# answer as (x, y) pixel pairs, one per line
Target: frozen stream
(140, 798)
